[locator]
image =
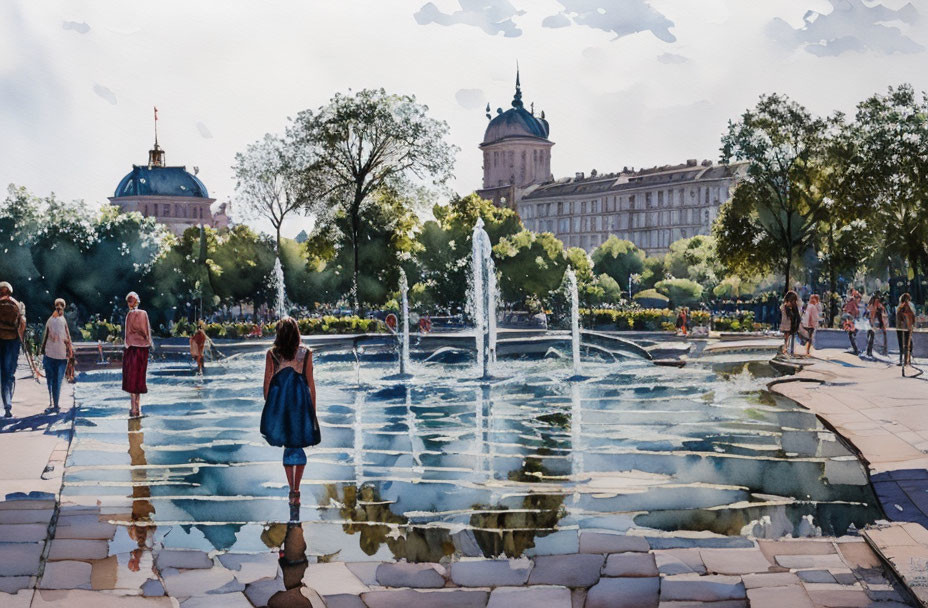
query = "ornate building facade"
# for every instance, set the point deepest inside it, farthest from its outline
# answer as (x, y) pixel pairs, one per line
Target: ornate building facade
(649, 207)
(171, 195)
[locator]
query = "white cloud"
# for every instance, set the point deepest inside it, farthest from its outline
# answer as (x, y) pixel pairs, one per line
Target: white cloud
(491, 16)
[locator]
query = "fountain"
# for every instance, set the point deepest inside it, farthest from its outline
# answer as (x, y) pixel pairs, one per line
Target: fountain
(482, 298)
(277, 280)
(404, 320)
(574, 319)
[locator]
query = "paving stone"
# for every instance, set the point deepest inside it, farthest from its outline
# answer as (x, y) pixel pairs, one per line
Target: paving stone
(343, 601)
(707, 542)
(226, 600)
(335, 578)
(883, 593)
(770, 579)
(491, 573)
(182, 560)
(734, 561)
(440, 598)
(845, 577)
(710, 588)
(837, 596)
(793, 596)
(608, 542)
(576, 570)
(233, 586)
(259, 592)
(12, 584)
(20, 599)
(816, 576)
(66, 575)
(679, 561)
(84, 526)
(152, 588)
(70, 548)
(249, 567)
(20, 559)
(26, 516)
(630, 564)
(365, 571)
(23, 533)
(624, 593)
(195, 582)
(79, 598)
(530, 597)
(806, 562)
(725, 604)
(772, 548)
(859, 555)
(22, 505)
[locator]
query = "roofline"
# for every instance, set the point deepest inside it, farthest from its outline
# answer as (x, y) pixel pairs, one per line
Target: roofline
(160, 198)
(542, 140)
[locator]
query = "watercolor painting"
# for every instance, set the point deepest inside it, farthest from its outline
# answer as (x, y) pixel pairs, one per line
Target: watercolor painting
(464, 303)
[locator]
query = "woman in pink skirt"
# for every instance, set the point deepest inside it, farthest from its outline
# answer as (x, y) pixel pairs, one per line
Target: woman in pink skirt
(135, 360)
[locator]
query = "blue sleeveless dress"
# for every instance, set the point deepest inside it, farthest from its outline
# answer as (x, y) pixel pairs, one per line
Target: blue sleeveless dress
(289, 416)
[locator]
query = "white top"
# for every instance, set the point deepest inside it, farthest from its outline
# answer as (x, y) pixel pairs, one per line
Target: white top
(812, 315)
(55, 344)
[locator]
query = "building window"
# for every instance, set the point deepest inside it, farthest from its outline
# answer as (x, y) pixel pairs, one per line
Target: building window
(660, 198)
(631, 202)
(560, 208)
(166, 210)
(583, 207)
(647, 200)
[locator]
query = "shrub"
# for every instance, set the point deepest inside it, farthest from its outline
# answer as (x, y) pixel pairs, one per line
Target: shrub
(682, 292)
(101, 330)
(652, 297)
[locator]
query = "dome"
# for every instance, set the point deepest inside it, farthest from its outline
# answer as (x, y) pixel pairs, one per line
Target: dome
(516, 122)
(160, 181)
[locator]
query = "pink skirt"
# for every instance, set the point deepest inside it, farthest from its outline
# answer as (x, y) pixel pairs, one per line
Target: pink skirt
(134, 369)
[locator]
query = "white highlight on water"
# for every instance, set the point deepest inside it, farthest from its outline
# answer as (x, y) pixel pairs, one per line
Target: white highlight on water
(404, 319)
(482, 297)
(280, 306)
(574, 319)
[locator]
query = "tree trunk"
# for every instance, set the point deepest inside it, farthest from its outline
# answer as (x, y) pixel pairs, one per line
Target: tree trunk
(915, 288)
(832, 279)
(278, 239)
(355, 230)
(789, 263)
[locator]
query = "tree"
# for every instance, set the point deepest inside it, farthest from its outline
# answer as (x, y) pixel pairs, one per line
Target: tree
(771, 218)
(619, 259)
(694, 258)
(360, 144)
(682, 292)
(531, 265)
(443, 254)
(891, 132)
(266, 181)
(589, 289)
(245, 261)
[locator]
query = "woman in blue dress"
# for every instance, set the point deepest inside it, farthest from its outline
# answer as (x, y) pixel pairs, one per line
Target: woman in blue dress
(289, 416)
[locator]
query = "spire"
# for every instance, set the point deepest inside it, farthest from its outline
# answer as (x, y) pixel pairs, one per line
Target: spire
(156, 154)
(517, 98)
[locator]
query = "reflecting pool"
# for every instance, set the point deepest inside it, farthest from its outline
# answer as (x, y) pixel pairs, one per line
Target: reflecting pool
(448, 463)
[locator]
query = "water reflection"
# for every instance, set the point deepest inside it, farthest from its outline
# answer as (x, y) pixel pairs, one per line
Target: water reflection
(142, 508)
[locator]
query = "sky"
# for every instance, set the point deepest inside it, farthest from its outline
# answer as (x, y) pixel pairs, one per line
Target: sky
(633, 83)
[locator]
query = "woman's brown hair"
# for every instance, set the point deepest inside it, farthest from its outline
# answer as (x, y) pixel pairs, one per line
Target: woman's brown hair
(288, 339)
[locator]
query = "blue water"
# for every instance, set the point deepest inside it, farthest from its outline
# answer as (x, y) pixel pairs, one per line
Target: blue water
(445, 463)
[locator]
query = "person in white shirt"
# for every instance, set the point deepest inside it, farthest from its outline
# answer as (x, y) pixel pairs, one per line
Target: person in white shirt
(56, 346)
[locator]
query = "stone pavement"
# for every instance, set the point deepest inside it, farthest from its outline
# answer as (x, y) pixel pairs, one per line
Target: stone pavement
(885, 417)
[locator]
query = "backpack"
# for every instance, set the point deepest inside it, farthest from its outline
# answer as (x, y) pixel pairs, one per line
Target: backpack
(10, 315)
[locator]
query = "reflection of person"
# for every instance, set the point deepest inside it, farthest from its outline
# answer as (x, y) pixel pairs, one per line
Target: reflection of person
(289, 417)
(905, 323)
(135, 359)
(12, 330)
(198, 346)
(142, 509)
(57, 350)
(877, 313)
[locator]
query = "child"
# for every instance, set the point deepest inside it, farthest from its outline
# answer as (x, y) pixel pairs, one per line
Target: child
(810, 320)
(198, 343)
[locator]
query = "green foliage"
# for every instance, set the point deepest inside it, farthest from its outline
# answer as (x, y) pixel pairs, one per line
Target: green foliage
(682, 292)
(100, 330)
(651, 296)
(694, 258)
(618, 258)
(531, 265)
(612, 292)
(652, 274)
(743, 321)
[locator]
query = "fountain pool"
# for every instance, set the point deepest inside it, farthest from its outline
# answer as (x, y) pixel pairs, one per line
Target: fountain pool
(449, 463)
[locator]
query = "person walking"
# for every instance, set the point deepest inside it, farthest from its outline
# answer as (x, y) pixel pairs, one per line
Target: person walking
(811, 317)
(849, 319)
(289, 416)
(56, 350)
(683, 320)
(905, 323)
(12, 331)
(138, 342)
(198, 343)
(789, 321)
(877, 314)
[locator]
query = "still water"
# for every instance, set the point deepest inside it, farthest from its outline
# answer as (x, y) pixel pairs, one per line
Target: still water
(447, 463)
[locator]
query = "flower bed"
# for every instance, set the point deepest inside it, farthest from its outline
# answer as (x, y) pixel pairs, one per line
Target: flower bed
(655, 319)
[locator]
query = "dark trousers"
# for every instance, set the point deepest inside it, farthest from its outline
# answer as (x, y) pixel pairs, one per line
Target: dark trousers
(852, 336)
(905, 344)
(9, 355)
(54, 375)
